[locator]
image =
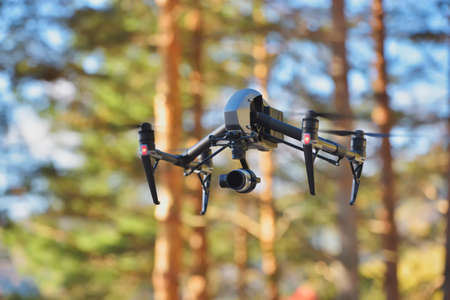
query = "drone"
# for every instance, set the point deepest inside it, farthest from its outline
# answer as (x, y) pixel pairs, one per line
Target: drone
(250, 123)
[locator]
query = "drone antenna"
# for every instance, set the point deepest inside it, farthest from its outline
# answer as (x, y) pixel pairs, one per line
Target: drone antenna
(147, 143)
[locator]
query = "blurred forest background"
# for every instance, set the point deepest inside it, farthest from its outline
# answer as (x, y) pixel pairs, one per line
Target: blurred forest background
(77, 220)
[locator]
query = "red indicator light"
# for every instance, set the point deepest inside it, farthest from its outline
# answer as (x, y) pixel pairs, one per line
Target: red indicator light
(144, 150)
(306, 138)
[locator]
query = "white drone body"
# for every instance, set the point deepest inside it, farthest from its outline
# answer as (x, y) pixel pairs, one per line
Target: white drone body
(240, 112)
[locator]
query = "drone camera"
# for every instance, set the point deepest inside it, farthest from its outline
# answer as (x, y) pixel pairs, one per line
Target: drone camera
(240, 180)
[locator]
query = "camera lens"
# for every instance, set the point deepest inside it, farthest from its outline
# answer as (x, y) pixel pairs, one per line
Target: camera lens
(236, 179)
(240, 180)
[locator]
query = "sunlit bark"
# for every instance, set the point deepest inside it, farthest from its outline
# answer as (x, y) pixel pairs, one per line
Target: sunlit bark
(198, 281)
(382, 116)
(168, 115)
(446, 286)
(267, 212)
(241, 254)
(348, 281)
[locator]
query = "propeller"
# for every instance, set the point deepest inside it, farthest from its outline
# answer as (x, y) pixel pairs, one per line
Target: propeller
(357, 132)
(125, 127)
(332, 115)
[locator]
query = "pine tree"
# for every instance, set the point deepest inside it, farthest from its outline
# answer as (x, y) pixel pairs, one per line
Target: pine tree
(168, 113)
(241, 255)
(197, 285)
(107, 238)
(446, 285)
(348, 282)
(383, 118)
(267, 212)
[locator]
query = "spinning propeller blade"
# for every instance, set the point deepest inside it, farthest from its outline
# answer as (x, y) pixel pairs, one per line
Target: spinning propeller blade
(326, 115)
(147, 143)
(331, 115)
(348, 133)
(376, 134)
(335, 116)
(124, 127)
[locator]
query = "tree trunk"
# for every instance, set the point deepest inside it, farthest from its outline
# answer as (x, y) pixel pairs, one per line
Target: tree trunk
(267, 212)
(241, 254)
(168, 115)
(348, 281)
(382, 117)
(446, 286)
(267, 226)
(198, 281)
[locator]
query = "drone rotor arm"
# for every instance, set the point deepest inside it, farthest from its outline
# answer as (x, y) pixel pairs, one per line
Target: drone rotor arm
(277, 125)
(203, 145)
